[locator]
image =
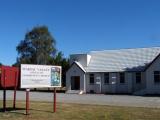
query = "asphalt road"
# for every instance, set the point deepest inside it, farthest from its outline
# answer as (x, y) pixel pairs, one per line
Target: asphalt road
(98, 99)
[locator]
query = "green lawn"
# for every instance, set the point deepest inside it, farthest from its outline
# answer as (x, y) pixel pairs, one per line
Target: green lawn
(43, 111)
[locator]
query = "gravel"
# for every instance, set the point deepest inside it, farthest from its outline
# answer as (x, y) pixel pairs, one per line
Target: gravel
(98, 99)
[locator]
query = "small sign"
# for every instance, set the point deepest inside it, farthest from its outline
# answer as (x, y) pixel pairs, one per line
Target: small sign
(98, 82)
(39, 76)
(113, 83)
(113, 77)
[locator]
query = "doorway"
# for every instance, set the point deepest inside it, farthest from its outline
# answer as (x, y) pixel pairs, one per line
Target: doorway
(75, 82)
(113, 82)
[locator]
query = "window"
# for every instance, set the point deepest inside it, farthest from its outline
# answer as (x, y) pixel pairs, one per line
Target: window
(122, 77)
(91, 78)
(106, 78)
(138, 77)
(157, 76)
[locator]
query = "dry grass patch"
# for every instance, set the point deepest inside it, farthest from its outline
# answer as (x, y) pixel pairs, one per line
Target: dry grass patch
(43, 111)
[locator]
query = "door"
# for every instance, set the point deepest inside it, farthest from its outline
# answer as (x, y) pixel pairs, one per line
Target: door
(113, 82)
(98, 84)
(75, 83)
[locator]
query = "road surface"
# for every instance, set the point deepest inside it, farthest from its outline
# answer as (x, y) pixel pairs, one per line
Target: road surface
(98, 99)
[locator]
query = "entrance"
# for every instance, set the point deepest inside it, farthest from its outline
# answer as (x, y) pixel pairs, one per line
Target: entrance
(113, 82)
(75, 83)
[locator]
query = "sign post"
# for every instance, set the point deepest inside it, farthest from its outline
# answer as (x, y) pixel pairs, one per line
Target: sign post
(54, 100)
(15, 88)
(4, 92)
(14, 99)
(27, 101)
(4, 100)
(8, 78)
(40, 76)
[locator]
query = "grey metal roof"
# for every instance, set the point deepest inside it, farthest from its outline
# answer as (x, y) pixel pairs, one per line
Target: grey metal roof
(79, 64)
(121, 60)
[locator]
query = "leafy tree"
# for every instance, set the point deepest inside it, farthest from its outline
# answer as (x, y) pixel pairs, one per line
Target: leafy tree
(38, 47)
(0, 64)
(65, 65)
(60, 60)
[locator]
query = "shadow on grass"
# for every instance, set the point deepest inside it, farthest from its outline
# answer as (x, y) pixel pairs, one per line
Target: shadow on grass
(21, 110)
(13, 110)
(42, 111)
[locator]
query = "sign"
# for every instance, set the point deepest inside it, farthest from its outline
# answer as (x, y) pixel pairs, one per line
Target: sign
(113, 77)
(39, 76)
(98, 82)
(113, 83)
(9, 76)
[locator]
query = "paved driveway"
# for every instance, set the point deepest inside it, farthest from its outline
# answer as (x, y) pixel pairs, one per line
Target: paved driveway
(99, 99)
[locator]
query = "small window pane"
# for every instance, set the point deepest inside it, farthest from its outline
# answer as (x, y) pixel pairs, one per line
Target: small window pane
(91, 78)
(157, 76)
(122, 77)
(156, 72)
(138, 77)
(106, 78)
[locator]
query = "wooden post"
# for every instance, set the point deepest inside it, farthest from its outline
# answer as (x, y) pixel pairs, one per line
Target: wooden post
(15, 88)
(27, 101)
(14, 99)
(4, 92)
(54, 100)
(4, 100)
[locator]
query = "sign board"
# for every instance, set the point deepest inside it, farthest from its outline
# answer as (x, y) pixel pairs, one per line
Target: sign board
(9, 76)
(39, 76)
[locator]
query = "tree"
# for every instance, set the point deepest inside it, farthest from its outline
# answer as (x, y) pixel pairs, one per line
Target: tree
(58, 58)
(64, 62)
(38, 47)
(65, 65)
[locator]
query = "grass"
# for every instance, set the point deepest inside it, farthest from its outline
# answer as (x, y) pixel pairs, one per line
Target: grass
(43, 111)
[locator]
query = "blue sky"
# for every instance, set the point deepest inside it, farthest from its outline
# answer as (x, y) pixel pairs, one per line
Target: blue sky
(80, 25)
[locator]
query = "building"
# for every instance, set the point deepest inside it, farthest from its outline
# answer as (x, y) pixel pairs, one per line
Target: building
(132, 71)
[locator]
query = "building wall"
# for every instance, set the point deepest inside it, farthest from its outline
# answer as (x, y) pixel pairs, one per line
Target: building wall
(99, 86)
(96, 87)
(139, 86)
(124, 87)
(151, 87)
(75, 71)
(114, 85)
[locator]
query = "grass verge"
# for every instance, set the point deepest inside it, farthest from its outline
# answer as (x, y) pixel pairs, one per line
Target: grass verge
(43, 111)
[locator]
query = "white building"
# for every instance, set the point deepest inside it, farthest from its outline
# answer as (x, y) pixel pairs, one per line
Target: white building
(135, 71)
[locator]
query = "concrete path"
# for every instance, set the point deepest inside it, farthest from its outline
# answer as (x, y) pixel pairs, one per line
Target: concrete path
(98, 99)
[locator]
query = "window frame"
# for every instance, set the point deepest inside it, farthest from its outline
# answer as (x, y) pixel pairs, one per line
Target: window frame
(91, 78)
(106, 75)
(122, 77)
(158, 76)
(138, 81)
